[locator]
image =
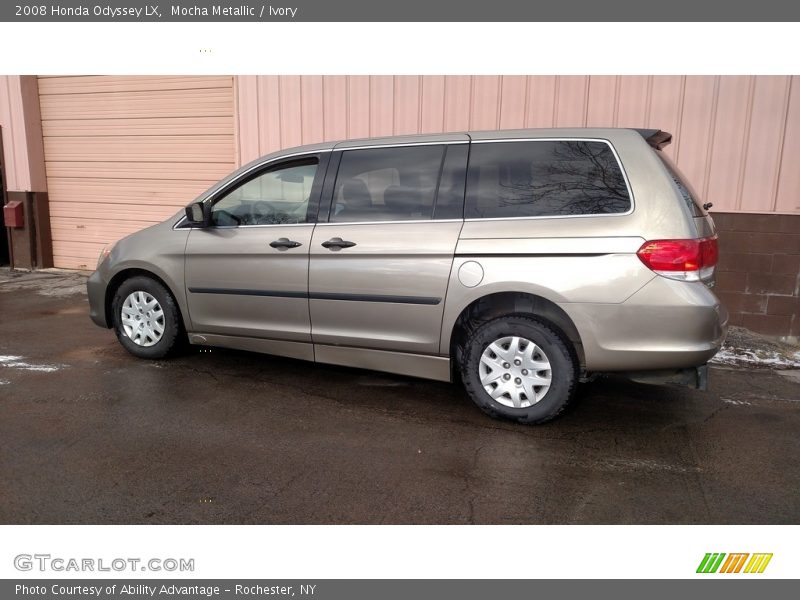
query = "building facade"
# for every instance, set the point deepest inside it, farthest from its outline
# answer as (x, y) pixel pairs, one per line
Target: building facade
(95, 158)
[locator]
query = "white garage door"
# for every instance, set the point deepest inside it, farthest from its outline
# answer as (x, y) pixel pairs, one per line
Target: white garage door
(123, 153)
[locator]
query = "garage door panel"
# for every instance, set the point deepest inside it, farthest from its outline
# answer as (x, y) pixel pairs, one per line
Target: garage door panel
(111, 212)
(137, 170)
(123, 153)
(92, 84)
(131, 105)
(95, 230)
(144, 126)
(126, 191)
(167, 148)
(76, 255)
(69, 262)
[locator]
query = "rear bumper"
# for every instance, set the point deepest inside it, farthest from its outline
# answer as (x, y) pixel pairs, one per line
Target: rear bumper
(96, 290)
(665, 325)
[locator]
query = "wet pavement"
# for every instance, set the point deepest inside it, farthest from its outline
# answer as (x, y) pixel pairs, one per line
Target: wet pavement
(90, 434)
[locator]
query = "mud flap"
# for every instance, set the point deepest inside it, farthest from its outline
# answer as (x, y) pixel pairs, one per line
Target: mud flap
(693, 377)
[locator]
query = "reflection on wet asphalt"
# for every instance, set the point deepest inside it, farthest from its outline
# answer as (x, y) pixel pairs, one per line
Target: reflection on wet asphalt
(90, 434)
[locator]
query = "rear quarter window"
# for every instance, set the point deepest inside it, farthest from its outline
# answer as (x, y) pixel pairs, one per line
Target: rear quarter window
(544, 178)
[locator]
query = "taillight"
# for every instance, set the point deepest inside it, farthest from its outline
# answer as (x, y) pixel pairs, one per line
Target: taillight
(685, 260)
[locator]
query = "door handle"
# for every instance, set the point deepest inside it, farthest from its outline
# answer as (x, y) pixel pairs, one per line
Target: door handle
(284, 243)
(337, 243)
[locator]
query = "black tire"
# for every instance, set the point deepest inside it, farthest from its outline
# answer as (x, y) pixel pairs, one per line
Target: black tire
(563, 363)
(173, 328)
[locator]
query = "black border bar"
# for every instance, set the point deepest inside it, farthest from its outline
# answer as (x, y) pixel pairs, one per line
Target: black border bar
(409, 11)
(713, 586)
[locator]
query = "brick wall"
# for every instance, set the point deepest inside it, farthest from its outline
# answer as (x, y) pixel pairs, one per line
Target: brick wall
(758, 278)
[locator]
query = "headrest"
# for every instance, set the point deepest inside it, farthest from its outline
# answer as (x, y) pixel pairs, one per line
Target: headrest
(355, 194)
(403, 200)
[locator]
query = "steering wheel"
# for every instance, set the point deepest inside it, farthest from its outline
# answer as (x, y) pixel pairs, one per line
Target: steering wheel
(224, 217)
(263, 213)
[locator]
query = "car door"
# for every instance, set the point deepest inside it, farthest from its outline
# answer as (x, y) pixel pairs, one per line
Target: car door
(380, 264)
(247, 272)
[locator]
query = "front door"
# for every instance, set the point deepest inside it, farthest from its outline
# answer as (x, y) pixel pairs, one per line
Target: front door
(380, 265)
(247, 273)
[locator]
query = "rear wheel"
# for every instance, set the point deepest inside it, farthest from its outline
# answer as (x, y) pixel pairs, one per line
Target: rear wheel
(519, 368)
(146, 318)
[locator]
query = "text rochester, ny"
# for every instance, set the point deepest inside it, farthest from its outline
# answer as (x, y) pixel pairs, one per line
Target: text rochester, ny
(144, 590)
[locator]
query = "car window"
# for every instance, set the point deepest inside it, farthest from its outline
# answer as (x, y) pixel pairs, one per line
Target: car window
(386, 184)
(544, 178)
(277, 196)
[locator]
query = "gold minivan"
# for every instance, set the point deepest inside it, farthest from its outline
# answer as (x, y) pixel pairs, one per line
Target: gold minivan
(522, 261)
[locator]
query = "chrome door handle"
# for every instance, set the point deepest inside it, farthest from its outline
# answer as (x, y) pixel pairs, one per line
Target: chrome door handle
(337, 243)
(284, 243)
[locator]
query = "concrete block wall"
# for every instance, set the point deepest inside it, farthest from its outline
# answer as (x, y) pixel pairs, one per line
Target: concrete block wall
(758, 276)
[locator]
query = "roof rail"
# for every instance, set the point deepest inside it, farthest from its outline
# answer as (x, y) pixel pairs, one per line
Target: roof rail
(656, 138)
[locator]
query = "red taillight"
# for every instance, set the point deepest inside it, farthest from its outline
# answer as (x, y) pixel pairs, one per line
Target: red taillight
(690, 260)
(709, 251)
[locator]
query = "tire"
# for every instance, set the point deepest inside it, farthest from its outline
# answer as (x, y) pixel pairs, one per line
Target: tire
(526, 395)
(141, 345)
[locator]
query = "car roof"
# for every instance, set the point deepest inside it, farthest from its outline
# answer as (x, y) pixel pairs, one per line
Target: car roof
(465, 136)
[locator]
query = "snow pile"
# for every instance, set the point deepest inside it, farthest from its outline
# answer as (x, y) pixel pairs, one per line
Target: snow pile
(745, 348)
(765, 358)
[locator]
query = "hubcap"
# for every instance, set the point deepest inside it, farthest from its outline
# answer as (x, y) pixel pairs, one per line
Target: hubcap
(142, 319)
(515, 372)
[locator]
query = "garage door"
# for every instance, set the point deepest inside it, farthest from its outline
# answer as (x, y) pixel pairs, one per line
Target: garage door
(123, 153)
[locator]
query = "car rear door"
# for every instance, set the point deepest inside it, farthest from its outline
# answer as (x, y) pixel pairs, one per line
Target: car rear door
(379, 266)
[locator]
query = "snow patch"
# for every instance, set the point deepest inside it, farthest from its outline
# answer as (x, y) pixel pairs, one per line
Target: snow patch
(636, 464)
(737, 402)
(16, 362)
(4, 382)
(46, 284)
(756, 358)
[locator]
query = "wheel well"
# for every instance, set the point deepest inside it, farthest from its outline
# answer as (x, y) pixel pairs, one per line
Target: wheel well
(117, 281)
(509, 303)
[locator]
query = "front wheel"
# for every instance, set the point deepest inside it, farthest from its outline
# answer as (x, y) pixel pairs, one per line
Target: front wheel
(519, 368)
(146, 318)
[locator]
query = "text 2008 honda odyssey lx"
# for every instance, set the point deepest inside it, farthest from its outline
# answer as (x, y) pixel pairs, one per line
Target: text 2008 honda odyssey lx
(524, 259)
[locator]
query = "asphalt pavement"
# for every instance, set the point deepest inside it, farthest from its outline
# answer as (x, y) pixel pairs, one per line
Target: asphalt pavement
(89, 434)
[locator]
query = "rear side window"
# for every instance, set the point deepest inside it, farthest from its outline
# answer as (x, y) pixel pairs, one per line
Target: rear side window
(544, 178)
(387, 184)
(687, 193)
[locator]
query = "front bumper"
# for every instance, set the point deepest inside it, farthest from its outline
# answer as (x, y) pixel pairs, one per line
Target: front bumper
(96, 290)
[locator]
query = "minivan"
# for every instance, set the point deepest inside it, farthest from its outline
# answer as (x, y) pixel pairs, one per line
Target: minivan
(520, 262)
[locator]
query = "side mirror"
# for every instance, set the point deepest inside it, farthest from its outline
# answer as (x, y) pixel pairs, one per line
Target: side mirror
(197, 215)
